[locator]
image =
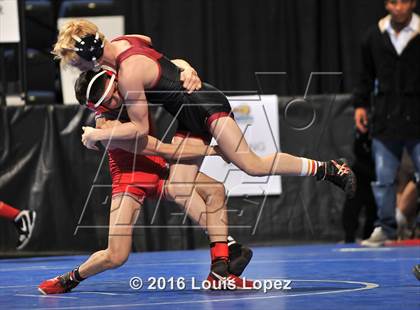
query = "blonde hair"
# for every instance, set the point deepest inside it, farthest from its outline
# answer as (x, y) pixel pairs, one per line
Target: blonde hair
(64, 48)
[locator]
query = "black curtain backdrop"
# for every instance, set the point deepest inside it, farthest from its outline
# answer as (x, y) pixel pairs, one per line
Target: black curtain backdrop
(228, 40)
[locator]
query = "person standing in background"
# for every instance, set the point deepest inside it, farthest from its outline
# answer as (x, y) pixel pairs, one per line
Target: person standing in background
(390, 70)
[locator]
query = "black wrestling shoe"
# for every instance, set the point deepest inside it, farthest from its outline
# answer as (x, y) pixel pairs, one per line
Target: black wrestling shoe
(239, 257)
(416, 271)
(339, 173)
(220, 278)
(25, 223)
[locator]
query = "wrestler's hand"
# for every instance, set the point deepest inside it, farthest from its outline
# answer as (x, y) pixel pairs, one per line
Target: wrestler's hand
(220, 153)
(88, 138)
(191, 80)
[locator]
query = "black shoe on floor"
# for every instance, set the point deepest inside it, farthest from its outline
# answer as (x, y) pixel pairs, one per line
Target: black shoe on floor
(25, 223)
(239, 257)
(416, 271)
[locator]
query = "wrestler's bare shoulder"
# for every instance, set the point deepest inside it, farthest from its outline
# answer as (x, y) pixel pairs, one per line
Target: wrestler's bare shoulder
(136, 62)
(138, 68)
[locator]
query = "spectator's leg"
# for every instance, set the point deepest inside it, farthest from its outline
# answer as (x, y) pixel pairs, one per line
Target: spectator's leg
(387, 157)
(413, 148)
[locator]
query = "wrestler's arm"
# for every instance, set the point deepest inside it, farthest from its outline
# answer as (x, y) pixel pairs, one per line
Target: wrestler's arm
(149, 145)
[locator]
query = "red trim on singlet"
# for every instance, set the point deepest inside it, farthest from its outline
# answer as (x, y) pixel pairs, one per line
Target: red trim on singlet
(139, 46)
(210, 119)
(216, 116)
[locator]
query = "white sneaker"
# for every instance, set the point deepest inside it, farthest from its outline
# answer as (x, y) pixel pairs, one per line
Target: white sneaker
(376, 239)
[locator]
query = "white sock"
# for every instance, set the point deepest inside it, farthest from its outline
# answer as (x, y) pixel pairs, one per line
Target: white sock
(400, 218)
(230, 240)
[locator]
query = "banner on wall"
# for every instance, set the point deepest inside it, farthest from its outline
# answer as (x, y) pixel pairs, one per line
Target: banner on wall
(9, 21)
(111, 27)
(258, 118)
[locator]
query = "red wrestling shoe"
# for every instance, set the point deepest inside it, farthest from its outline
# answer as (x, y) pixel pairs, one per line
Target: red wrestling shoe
(220, 279)
(58, 285)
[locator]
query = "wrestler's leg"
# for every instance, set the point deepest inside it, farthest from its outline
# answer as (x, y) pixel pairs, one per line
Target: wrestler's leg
(124, 213)
(182, 189)
(211, 192)
(214, 194)
(232, 143)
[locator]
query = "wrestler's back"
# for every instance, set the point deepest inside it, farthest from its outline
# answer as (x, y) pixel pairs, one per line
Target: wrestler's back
(191, 110)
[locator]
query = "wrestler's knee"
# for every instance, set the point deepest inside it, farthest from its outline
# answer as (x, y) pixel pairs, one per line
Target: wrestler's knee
(116, 259)
(178, 190)
(216, 195)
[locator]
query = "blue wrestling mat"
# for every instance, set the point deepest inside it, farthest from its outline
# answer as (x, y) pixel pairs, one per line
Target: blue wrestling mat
(295, 277)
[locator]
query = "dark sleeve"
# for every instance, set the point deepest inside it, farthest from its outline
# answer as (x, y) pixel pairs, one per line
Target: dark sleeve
(366, 80)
